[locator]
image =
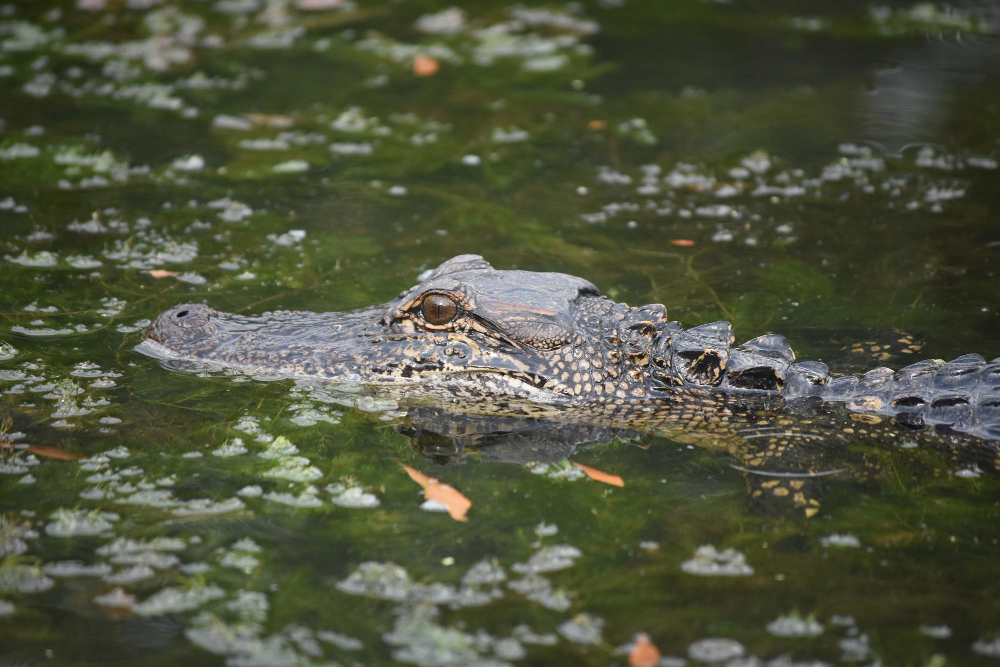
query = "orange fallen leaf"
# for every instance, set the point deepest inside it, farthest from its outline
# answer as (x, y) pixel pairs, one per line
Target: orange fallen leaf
(600, 475)
(684, 243)
(596, 125)
(160, 273)
(425, 65)
(644, 653)
(48, 452)
(456, 504)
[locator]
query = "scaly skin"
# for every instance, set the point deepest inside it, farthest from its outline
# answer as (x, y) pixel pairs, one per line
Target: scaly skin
(554, 338)
(521, 362)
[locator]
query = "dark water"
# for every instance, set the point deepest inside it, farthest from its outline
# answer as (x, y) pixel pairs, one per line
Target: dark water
(829, 168)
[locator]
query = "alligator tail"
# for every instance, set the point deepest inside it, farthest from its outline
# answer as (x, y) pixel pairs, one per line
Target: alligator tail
(961, 395)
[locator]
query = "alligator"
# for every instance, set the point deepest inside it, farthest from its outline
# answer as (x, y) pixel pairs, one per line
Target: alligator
(548, 349)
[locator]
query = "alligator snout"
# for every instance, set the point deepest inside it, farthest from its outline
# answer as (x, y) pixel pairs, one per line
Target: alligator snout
(184, 322)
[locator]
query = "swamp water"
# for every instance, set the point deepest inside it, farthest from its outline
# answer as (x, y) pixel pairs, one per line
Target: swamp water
(823, 170)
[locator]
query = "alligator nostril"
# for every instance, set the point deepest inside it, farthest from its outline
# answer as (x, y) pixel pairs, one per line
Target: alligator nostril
(181, 314)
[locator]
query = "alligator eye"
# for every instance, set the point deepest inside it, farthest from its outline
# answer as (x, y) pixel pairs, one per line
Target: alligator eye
(438, 309)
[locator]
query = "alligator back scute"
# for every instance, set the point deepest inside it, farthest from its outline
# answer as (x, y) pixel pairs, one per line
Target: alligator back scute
(807, 378)
(987, 407)
(873, 392)
(701, 354)
(961, 395)
(760, 364)
(952, 389)
(841, 387)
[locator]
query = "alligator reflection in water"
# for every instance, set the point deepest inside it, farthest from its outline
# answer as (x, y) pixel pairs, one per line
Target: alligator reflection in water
(525, 366)
(788, 452)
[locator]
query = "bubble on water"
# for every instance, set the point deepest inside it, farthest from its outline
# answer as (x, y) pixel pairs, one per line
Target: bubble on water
(353, 121)
(432, 505)
(389, 581)
(312, 416)
(189, 163)
(845, 540)
(103, 477)
(981, 162)
(540, 590)
(264, 144)
(289, 238)
(229, 122)
(27, 479)
(129, 575)
(546, 529)
(191, 278)
(509, 135)
(94, 493)
(175, 600)
(40, 259)
(242, 561)
(936, 631)
(155, 559)
(20, 578)
(563, 470)
(715, 649)
(76, 523)
(295, 469)
(309, 497)
(485, 572)
(855, 649)
(116, 598)
(709, 562)
(198, 567)
(83, 262)
(9, 352)
(291, 167)
(343, 642)
(446, 22)
(6, 608)
(351, 495)
(421, 640)
(231, 210)
(234, 447)
(471, 160)
(207, 506)
(582, 629)
(75, 568)
(794, 625)
(987, 647)
(351, 148)
(525, 634)
(14, 535)
(549, 559)
(251, 491)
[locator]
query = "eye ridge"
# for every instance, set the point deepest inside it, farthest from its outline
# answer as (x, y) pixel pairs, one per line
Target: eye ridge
(438, 309)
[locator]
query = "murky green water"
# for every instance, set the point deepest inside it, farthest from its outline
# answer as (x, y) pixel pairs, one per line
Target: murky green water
(829, 169)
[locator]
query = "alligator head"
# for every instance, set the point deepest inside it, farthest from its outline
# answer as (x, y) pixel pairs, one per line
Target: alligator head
(514, 332)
